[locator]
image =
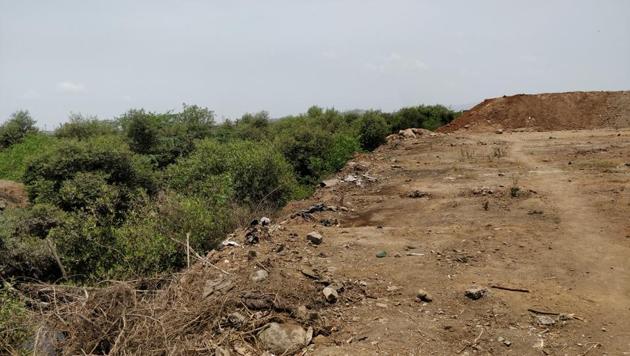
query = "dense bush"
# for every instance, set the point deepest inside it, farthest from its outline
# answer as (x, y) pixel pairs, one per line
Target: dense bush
(23, 252)
(15, 159)
(428, 117)
(166, 137)
(154, 238)
(373, 131)
(76, 174)
(16, 128)
(305, 148)
(252, 173)
(81, 127)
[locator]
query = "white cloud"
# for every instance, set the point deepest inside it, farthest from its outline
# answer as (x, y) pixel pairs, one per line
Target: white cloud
(396, 62)
(30, 95)
(70, 87)
(420, 64)
(330, 54)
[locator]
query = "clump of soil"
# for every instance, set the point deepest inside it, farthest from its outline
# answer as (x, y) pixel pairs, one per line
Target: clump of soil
(12, 194)
(546, 112)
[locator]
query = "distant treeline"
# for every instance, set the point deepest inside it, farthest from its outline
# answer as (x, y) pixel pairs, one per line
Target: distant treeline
(116, 198)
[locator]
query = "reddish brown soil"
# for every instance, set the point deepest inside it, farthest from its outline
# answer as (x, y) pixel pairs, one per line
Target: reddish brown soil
(543, 112)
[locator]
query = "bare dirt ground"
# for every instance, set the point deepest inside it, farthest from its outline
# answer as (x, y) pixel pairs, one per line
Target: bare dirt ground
(564, 236)
(546, 212)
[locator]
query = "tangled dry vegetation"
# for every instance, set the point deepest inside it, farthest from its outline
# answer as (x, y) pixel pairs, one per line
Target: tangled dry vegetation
(197, 312)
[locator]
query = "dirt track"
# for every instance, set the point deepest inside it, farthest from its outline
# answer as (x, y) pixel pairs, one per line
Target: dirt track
(565, 237)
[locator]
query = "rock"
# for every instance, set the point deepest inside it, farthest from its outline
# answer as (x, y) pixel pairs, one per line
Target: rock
(330, 294)
(545, 320)
(284, 338)
(264, 221)
(350, 178)
(315, 238)
(408, 133)
(381, 254)
(424, 296)
(259, 276)
(304, 314)
(475, 293)
(498, 131)
(504, 341)
(219, 285)
(309, 272)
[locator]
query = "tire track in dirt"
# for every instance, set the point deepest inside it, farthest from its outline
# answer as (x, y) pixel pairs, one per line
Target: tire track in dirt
(591, 240)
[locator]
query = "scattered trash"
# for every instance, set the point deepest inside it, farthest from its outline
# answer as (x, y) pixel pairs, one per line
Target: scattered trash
(545, 320)
(415, 254)
(230, 243)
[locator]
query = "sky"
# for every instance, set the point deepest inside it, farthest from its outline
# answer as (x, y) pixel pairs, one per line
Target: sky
(103, 58)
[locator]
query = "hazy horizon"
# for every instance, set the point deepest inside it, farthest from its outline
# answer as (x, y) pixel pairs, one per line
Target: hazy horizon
(103, 58)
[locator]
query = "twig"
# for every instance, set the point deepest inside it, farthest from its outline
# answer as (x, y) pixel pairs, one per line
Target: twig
(122, 330)
(495, 286)
(188, 249)
(53, 250)
(542, 312)
(468, 344)
(595, 345)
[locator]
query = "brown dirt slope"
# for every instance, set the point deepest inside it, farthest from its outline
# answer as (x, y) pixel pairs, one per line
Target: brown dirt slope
(543, 112)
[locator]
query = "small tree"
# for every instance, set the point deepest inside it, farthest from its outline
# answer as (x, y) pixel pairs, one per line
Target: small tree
(372, 130)
(16, 128)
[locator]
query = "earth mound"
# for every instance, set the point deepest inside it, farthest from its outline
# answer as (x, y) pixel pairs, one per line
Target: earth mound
(11, 194)
(547, 112)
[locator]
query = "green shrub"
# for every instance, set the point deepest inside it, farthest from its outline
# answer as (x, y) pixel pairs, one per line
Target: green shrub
(15, 323)
(372, 131)
(341, 150)
(22, 252)
(57, 176)
(80, 127)
(252, 173)
(166, 137)
(16, 128)
(153, 239)
(305, 148)
(15, 159)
